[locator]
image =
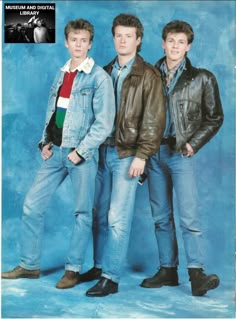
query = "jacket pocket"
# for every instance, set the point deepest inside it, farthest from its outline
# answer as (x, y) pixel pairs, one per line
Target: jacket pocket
(194, 115)
(131, 123)
(181, 116)
(128, 133)
(190, 115)
(86, 94)
(81, 99)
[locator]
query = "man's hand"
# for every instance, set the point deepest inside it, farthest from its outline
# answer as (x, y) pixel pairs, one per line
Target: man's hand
(137, 167)
(189, 149)
(46, 152)
(74, 157)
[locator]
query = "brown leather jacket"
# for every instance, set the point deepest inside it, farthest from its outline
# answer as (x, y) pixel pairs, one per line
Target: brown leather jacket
(141, 117)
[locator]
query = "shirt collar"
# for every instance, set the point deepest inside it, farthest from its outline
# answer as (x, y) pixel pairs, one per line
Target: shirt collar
(179, 66)
(127, 65)
(86, 66)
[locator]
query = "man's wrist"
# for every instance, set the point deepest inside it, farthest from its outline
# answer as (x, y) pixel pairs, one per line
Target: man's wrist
(142, 159)
(79, 155)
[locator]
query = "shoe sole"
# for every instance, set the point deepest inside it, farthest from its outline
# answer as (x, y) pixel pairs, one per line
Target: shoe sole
(148, 285)
(211, 284)
(68, 287)
(101, 295)
(23, 276)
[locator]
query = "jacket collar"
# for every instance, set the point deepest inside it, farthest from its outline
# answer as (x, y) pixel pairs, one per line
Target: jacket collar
(187, 75)
(188, 70)
(137, 68)
(86, 66)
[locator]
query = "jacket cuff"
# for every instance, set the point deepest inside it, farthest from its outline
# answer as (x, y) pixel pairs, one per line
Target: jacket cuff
(79, 155)
(141, 155)
(84, 153)
(41, 144)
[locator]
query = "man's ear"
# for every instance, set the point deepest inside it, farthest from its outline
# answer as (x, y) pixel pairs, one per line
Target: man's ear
(163, 44)
(188, 47)
(138, 41)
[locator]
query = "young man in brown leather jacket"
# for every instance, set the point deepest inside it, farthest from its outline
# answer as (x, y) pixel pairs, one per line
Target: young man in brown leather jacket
(194, 115)
(139, 125)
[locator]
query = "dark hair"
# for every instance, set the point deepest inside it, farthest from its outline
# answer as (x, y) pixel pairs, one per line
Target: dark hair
(178, 26)
(43, 22)
(129, 20)
(79, 24)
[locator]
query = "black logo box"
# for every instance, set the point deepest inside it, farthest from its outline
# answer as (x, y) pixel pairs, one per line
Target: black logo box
(26, 15)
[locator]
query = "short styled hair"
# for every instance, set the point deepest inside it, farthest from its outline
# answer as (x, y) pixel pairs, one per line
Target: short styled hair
(178, 26)
(129, 20)
(79, 24)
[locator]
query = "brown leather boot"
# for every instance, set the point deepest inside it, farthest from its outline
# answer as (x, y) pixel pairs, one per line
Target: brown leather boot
(200, 282)
(19, 272)
(164, 277)
(69, 280)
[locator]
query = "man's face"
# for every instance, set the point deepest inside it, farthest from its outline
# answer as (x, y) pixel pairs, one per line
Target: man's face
(126, 41)
(78, 43)
(175, 46)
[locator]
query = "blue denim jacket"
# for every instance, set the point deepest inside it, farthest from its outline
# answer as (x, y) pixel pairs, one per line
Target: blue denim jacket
(90, 114)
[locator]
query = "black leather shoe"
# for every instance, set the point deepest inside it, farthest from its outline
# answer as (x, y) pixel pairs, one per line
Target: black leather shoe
(103, 288)
(92, 274)
(164, 277)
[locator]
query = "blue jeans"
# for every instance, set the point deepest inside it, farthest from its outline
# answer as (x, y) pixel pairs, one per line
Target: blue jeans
(113, 212)
(168, 171)
(51, 174)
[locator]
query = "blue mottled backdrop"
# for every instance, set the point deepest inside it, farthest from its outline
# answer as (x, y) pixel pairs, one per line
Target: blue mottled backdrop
(28, 71)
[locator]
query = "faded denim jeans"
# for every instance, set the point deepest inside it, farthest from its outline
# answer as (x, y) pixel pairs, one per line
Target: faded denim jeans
(113, 212)
(51, 174)
(168, 172)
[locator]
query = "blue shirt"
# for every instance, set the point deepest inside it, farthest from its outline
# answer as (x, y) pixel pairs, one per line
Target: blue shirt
(170, 127)
(118, 76)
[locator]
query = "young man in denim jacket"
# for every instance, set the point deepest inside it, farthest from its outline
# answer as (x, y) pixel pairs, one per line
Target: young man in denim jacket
(194, 115)
(79, 118)
(140, 120)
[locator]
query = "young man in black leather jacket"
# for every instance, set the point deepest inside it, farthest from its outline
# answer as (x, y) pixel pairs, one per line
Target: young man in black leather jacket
(194, 115)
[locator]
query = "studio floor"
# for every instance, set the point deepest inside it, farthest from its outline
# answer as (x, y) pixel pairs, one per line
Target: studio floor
(24, 298)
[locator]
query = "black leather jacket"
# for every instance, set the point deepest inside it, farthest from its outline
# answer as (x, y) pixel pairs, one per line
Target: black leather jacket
(196, 107)
(141, 117)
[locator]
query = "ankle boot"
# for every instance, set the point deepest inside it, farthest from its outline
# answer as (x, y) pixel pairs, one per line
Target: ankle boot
(166, 276)
(200, 282)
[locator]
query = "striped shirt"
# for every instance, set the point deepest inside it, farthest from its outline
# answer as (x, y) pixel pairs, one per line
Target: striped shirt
(64, 97)
(65, 90)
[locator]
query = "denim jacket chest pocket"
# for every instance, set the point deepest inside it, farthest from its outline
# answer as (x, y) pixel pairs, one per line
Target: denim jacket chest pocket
(81, 99)
(80, 113)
